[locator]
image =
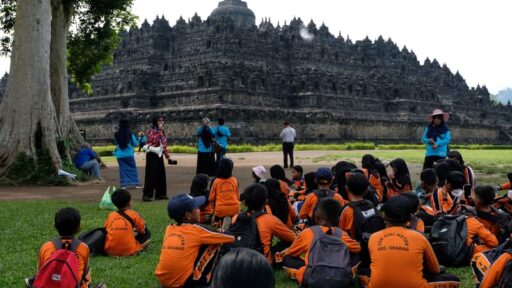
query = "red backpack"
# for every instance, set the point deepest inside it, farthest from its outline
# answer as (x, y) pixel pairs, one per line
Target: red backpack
(61, 269)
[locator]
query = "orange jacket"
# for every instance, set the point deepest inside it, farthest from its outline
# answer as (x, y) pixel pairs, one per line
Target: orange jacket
(180, 249)
(120, 240)
(393, 191)
(310, 203)
(397, 258)
(302, 244)
(82, 253)
(268, 227)
(375, 183)
(493, 276)
(224, 197)
(486, 238)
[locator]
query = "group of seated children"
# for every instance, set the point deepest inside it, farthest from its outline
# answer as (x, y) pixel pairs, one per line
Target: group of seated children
(324, 228)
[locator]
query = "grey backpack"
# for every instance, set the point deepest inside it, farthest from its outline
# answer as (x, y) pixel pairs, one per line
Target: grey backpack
(329, 261)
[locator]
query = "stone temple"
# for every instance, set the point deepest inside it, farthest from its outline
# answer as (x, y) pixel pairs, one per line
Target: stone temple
(257, 76)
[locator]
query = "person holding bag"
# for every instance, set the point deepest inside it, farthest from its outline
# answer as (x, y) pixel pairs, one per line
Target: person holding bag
(155, 181)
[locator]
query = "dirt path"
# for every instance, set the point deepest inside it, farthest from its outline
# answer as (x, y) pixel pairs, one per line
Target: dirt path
(178, 177)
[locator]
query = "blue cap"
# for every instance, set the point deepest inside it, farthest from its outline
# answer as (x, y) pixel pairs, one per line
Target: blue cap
(323, 175)
(183, 203)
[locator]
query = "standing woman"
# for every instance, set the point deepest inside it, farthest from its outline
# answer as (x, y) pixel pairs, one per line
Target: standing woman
(205, 155)
(154, 181)
(125, 143)
(437, 138)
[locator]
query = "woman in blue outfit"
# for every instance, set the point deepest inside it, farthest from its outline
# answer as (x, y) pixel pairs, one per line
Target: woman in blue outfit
(437, 138)
(205, 154)
(125, 145)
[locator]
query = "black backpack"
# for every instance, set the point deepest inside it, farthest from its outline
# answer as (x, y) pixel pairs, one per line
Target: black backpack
(367, 220)
(246, 233)
(448, 238)
(320, 194)
(503, 219)
(481, 262)
(506, 275)
(95, 240)
(329, 261)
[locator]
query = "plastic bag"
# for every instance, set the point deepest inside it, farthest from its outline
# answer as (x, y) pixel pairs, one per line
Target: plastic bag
(106, 200)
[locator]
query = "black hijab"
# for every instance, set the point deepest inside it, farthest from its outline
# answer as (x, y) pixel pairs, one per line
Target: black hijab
(434, 131)
(123, 136)
(309, 180)
(199, 186)
(456, 154)
(225, 169)
(277, 200)
(277, 172)
(402, 176)
(369, 163)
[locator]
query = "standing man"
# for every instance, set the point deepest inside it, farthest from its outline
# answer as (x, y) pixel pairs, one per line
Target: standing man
(222, 135)
(288, 136)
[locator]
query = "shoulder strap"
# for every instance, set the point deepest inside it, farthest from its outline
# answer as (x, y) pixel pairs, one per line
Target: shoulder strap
(337, 232)
(437, 204)
(125, 216)
(470, 176)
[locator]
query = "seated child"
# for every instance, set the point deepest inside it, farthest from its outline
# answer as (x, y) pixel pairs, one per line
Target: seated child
(277, 172)
(369, 168)
(399, 178)
(126, 230)
(224, 194)
(243, 267)
(402, 257)
(454, 185)
(298, 197)
(435, 200)
(355, 213)
(278, 203)
(259, 174)
(498, 222)
(505, 202)
(416, 222)
(183, 242)
(500, 269)
(297, 180)
(324, 179)
(198, 188)
(327, 216)
(269, 226)
(67, 223)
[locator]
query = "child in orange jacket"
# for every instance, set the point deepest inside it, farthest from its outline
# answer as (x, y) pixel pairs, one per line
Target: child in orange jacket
(126, 230)
(224, 194)
(399, 178)
(327, 216)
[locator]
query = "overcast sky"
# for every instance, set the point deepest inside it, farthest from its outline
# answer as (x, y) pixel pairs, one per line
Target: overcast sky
(471, 36)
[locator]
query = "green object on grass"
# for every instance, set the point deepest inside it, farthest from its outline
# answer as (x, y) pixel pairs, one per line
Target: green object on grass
(106, 200)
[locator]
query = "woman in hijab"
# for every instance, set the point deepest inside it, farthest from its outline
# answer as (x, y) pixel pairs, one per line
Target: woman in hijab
(125, 143)
(154, 182)
(437, 138)
(399, 178)
(205, 153)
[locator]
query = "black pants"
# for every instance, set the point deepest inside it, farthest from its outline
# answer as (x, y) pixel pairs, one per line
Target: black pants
(288, 150)
(141, 144)
(154, 181)
(293, 262)
(430, 160)
(142, 238)
(441, 280)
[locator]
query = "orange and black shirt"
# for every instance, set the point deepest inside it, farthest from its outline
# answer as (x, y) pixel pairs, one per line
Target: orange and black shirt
(82, 253)
(398, 256)
(224, 197)
(120, 240)
(302, 245)
(493, 276)
(180, 249)
(310, 203)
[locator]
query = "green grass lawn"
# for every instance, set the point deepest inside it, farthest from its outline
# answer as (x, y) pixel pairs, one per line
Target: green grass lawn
(26, 225)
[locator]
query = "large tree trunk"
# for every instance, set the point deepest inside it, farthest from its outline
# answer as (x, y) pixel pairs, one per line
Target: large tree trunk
(27, 115)
(62, 13)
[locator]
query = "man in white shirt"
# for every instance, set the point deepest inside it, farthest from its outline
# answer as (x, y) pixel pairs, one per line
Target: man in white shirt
(288, 136)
